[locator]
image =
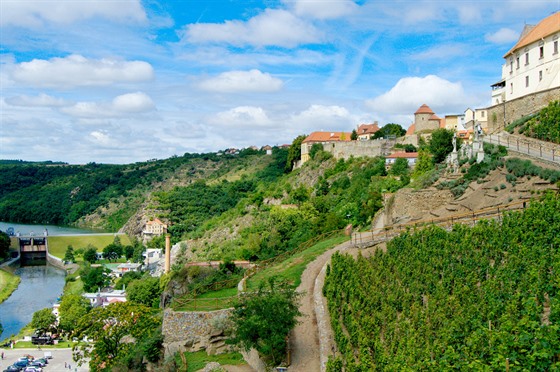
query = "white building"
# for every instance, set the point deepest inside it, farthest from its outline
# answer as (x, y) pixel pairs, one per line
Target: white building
(533, 64)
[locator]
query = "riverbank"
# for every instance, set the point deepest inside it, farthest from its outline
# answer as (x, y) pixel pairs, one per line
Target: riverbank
(8, 284)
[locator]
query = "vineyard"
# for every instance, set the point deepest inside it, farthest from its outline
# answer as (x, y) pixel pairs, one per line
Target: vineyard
(477, 298)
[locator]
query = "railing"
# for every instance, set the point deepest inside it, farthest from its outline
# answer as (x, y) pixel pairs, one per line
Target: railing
(550, 152)
(376, 236)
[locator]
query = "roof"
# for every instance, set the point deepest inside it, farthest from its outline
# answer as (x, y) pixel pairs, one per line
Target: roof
(544, 28)
(424, 109)
(368, 128)
(155, 221)
(411, 129)
(328, 137)
(405, 155)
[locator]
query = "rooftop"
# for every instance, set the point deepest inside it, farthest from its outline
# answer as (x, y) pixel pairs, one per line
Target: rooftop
(544, 28)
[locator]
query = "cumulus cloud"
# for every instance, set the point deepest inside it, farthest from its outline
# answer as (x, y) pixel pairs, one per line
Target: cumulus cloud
(320, 116)
(130, 103)
(242, 81)
(320, 10)
(242, 117)
(273, 27)
(76, 70)
(502, 36)
(101, 138)
(33, 13)
(411, 92)
(42, 100)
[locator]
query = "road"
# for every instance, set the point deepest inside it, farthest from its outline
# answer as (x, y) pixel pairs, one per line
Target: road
(56, 364)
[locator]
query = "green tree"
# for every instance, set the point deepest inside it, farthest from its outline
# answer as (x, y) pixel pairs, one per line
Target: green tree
(43, 319)
(441, 144)
(69, 254)
(263, 319)
(94, 278)
(90, 254)
(72, 308)
(4, 244)
(127, 278)
(423, 163)
(354, 135)
(389, 130)
(294, 153)
(145, 291)
(112, 251)
(116, 330)
(128, 252)
(315, 149)
(399, 167)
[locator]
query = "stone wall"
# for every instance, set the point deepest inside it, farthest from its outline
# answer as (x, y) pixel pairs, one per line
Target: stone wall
(371, 148)
(193, 331)
(518, 108)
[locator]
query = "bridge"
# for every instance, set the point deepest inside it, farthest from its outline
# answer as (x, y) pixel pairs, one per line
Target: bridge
(33, 250)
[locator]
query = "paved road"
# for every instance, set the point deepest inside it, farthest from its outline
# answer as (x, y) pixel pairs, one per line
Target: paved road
(56, 364)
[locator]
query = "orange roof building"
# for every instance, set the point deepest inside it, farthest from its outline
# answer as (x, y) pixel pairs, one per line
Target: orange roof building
(365, 131)
(425, 120)
(533, 63)
(321, 138)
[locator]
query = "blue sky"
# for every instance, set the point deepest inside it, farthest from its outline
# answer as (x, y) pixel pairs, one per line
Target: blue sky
(120, 81)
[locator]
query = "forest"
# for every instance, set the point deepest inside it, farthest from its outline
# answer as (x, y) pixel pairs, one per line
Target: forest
(482, 298)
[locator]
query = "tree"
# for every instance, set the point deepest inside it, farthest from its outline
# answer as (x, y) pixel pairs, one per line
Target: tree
(5, 243)
(441, 144)
(90, 254)
(354, 135)
(69, 255)
(72, 308)
(112, 251)
(423, 163)
(294, 153)
(116, 330)
(145, 291)
(263, 319)
(127, 278)
(400, 167)
(94, 278)
(43, 319)
(390, 129)
(128, 252)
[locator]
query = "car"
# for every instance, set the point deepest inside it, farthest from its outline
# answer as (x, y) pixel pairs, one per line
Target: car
(33, 369)
(12, 368)
(21, 364)
(37, 363)
(42, 360)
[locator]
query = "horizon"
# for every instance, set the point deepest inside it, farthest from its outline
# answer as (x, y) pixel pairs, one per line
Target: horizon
(121, 82)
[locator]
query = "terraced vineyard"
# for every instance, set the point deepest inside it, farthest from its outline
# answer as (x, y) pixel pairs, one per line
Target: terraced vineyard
(482, 298)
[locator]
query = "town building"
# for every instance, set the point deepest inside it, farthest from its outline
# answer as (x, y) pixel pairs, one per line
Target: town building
(155, 227)
(321, 138)
(533, 64)
(425, 120)
(411, 157)
(366, 131)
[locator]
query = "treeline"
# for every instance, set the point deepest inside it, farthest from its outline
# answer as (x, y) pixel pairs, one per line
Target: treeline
(475, 298)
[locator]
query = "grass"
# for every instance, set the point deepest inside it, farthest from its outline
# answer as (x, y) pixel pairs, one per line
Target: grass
(29, 345)
(197, 361)
(8, 283)
(291, 269)
(207, 302)
(59, 244)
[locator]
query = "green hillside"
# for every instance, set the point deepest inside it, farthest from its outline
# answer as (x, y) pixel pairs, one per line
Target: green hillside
(468, 299)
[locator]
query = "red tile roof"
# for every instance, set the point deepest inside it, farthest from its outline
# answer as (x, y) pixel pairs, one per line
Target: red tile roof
(424, 109)
(328, 137)
(367, 129)
(544, 28)
(411, 129)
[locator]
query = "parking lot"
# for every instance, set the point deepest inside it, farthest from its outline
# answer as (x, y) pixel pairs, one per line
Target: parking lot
(56, 364)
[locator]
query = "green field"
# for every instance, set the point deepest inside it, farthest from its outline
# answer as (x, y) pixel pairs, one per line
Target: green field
(8, 283)
(58, 244)
(197, 361)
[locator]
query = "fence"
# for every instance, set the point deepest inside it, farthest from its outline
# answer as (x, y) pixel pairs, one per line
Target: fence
(376, 236)
(548, 152)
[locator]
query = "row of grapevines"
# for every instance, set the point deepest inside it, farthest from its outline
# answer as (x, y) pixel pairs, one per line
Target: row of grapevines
(474, 298)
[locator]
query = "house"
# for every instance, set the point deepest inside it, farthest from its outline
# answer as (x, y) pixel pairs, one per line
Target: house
(126, 267)
(267, 149)
(155, 227)
(365, 131)
(105, 298)
(425, 120)
(533, 64)
(409, 156)
(321, 138)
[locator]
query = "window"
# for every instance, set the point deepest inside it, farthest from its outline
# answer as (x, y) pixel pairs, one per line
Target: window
(482, 113)
(541, 52)
(511, 65)
(526, 58)
(511, 88)
(526, 81)
(540, 75)
(517, 62)
(555, 47)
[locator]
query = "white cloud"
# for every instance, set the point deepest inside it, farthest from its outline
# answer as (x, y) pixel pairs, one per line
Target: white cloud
(76, 70)
(502, 36)
(411, 92)
(273, 27)
(42, 100)
(101, 138)
(242, 81)
(320, 117)
(242, 117)
(33, 13)
(324, 10)
(130, 103)
(442, 51)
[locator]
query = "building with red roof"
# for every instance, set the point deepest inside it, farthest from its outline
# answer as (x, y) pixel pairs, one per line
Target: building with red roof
(321, 138)
(365, 131)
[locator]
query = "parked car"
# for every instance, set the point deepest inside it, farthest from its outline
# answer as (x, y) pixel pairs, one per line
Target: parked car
(42, 360)
(12, 369)
(37, 363)
(21, 363)
(33, 369)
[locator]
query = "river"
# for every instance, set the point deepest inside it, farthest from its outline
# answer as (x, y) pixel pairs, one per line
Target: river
(40, 286)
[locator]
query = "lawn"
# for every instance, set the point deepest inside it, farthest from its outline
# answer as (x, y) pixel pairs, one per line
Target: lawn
(291, 269)
(59, 244)
(8, 283)
(197, 361)
(209, 301)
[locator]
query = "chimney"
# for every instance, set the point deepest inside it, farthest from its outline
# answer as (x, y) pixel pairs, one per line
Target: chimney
(167, 254)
